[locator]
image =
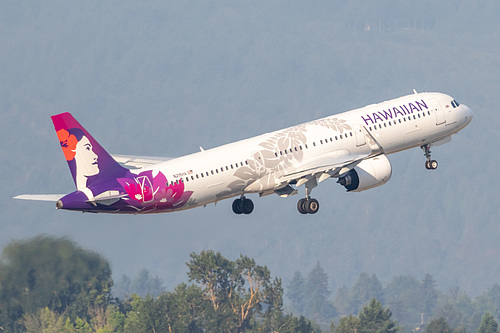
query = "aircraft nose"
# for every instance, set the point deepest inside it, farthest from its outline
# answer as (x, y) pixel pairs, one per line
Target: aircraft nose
(468, 114)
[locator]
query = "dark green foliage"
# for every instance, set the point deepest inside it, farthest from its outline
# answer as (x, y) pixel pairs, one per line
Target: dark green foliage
(429, 295)
(51, 272)
(348, 324)
(295, 293)
(438, 325)
(366, 288)
(239, 293)
(403, 295)
(488, 324)
(317, 306)
(143, 284)
(375, 319)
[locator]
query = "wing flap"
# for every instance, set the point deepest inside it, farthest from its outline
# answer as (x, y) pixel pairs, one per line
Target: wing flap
(332, 163)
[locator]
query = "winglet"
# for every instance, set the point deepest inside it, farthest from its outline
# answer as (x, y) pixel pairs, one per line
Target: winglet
(88, 162)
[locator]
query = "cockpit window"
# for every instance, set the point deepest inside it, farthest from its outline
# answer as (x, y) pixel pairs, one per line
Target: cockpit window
(454, 103)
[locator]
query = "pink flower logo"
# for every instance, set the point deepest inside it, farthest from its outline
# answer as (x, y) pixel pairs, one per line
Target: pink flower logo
(155, 192)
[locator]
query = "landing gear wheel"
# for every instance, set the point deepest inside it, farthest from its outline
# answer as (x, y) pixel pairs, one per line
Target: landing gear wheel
(236, 206)
(301, 206)
(312, 206)
(246, 206)
(431, 165)
(308, 206)
(243, 206)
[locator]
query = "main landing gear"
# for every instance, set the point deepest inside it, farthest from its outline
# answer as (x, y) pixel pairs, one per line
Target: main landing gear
(242, 206)
(429, 164)
(308, 206)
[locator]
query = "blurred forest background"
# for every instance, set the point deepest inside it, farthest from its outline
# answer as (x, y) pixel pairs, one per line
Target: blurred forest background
(162, 78)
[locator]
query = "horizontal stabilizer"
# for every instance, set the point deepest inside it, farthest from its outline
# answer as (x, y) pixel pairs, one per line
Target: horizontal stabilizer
(40, 197)
(107, 198)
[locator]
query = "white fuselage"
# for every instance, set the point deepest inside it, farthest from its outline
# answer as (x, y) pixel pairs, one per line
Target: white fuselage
(384, 128)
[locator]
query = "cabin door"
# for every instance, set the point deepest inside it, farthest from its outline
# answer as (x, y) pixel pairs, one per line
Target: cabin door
(438, 111)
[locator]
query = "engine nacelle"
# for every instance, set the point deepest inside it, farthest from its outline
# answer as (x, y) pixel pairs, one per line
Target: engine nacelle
(367, 174)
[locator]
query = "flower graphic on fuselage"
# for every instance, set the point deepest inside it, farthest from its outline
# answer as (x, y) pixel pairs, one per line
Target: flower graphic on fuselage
(155, 192)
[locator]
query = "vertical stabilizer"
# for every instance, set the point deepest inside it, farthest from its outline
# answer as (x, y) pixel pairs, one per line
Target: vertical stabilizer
(88, 162)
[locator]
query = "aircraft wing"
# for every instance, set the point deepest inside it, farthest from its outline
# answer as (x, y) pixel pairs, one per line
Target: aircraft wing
(325, 166)
(40, 197)
(138, 162)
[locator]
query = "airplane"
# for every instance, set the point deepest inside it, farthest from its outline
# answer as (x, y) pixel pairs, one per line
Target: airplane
(351, 147)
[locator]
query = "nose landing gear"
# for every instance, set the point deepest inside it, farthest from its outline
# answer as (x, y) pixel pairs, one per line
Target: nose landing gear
(429, 164)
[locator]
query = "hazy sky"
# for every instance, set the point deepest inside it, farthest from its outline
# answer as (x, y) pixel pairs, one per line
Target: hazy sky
(162, 78)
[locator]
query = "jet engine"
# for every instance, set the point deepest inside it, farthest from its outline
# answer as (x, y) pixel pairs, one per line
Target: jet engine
(367, 174)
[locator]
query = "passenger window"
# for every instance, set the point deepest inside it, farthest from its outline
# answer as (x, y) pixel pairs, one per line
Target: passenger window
(321, 141)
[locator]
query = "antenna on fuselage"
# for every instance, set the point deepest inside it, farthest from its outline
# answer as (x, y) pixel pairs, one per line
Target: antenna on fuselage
(415, 92)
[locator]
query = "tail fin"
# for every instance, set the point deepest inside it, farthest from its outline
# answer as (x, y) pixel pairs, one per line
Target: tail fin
(89, 163)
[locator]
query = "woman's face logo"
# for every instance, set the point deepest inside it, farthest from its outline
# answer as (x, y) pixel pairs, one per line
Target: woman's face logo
(85, 158)
(79, 152)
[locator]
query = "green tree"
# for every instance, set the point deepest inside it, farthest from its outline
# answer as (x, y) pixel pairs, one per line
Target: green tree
(317, 306)
(145, 284)
(375, 319)
(429, 295)
(404, 297)
(237, 291)
(54, 273)
(45, 320)
(488, 324)
(296, 293)
(342, 300)
(438, 325)
(366, 288)
(350, 324)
